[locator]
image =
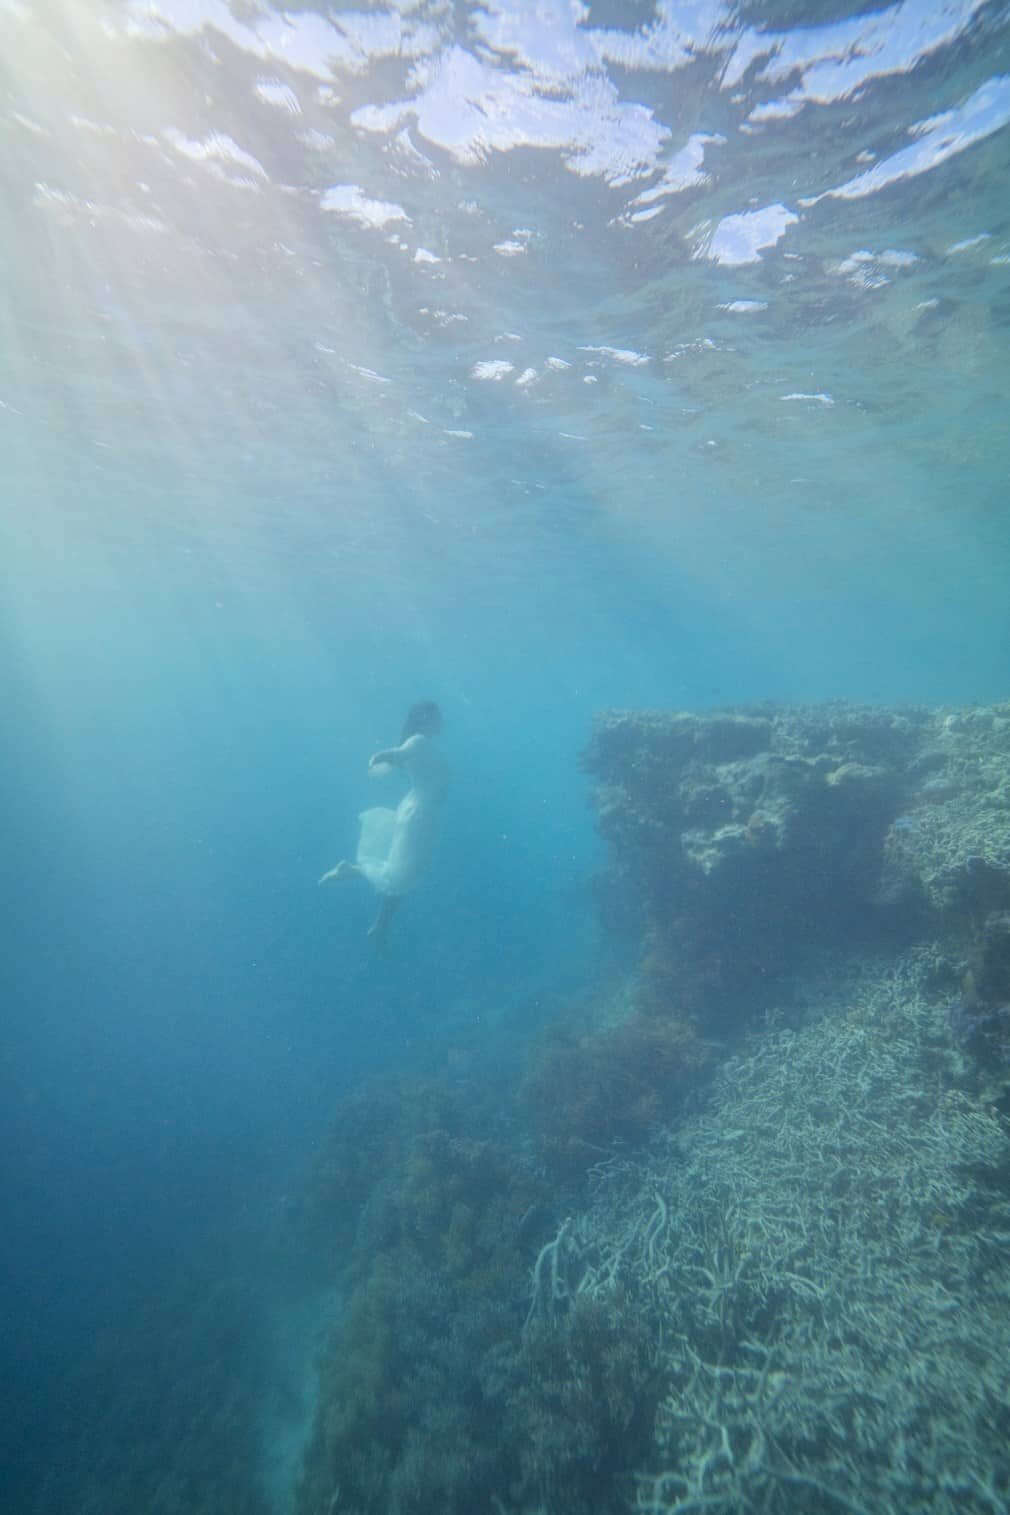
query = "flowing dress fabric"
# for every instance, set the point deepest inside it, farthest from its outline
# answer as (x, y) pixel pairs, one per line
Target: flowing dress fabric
(395, 846)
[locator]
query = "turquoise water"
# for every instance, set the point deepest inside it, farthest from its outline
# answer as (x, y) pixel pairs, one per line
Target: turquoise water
(533, 358)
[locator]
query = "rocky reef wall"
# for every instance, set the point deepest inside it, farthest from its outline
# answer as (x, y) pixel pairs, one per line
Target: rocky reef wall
(749, 839)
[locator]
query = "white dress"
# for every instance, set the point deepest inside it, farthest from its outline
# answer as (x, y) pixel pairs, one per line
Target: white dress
(395, 846)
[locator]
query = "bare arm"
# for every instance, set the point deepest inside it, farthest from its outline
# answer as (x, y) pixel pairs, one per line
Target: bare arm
(395, 757)
(389, 757)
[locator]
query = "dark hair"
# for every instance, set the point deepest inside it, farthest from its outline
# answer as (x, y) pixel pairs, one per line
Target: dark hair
(424, 718)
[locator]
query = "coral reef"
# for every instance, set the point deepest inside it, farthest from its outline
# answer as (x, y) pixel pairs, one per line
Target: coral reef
(822, 1253)
(431, 1394)
(591, 1091)
(957, 842)
(369, 1132)
(753, 838)
(981, 1016)
(735, 1239)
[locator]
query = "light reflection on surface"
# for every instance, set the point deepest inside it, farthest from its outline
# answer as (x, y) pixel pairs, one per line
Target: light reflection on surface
(286, 247)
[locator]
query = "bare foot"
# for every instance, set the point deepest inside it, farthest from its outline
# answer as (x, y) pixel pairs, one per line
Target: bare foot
(342, 870)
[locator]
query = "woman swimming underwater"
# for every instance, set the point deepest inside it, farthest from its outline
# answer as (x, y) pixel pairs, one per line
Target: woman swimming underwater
(395, 846)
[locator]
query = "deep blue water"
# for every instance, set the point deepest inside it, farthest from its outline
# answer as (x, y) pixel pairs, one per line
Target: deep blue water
(260, 489)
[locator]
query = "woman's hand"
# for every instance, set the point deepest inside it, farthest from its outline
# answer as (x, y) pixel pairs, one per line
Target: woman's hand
(384, 759)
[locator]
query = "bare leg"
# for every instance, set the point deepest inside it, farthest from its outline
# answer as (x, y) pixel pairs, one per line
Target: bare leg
(342, 870)
(387, 909)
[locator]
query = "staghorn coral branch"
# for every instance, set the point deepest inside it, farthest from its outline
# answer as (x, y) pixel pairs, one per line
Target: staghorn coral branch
(825, 1278)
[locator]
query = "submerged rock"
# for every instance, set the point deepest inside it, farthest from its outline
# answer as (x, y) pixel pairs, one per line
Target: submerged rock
(749, 837)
